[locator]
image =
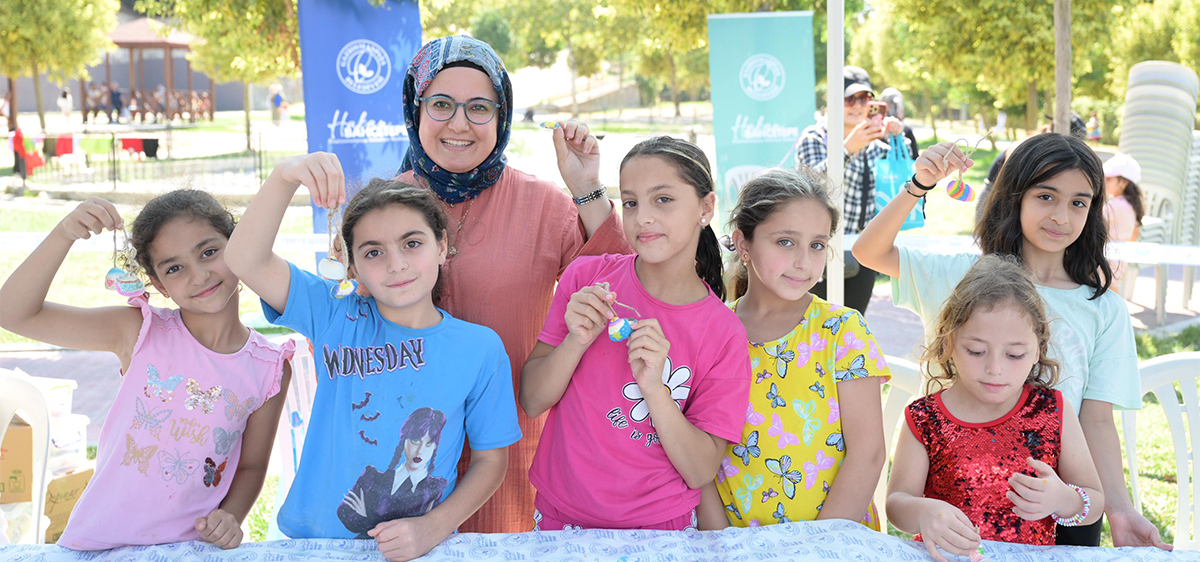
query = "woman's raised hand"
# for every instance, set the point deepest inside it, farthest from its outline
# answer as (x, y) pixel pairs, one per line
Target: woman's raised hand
(578, 153)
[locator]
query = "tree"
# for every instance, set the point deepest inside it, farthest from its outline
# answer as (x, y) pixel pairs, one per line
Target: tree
(245, 41)
(1003, 47)
(61, 38)
(548, 27)
(492, 28)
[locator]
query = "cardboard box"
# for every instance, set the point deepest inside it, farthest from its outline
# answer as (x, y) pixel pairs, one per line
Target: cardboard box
(16, 463)
(61, 496)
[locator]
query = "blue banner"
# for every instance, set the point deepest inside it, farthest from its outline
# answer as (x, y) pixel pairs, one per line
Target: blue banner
(761, 69)
(354, 57)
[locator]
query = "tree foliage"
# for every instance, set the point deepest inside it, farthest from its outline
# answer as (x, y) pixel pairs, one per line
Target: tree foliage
(63, 38)
(60, 39)
(244, 40)
(1005, 48)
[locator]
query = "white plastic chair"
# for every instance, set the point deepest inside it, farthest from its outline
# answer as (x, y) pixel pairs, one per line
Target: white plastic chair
(905, 386)
(18, 393)
(289, 439)
(1159, 376)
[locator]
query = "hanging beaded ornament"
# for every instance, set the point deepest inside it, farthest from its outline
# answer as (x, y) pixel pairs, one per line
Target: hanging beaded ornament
(124, 280)
(619, 328)
(333, 269)
(958, 189)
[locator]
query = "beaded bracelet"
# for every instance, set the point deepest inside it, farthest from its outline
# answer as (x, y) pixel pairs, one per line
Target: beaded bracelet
(1077, 519)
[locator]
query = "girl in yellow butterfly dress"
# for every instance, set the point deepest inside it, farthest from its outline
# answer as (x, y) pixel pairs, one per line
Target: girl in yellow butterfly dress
(812, 447)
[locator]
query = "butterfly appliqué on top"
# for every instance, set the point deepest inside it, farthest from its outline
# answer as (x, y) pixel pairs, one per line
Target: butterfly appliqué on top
(238, 410)
(202, 399)
(157, 386)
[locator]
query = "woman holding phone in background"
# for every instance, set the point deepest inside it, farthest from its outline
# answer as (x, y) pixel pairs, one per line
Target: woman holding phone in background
(863, 130)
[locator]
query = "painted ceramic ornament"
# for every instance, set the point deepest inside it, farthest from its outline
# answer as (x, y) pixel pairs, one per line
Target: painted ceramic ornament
(110, 280)
(549, 125)
(331, 269)
(344, 289)
(130, 286)
(960, 191)
(619, 329)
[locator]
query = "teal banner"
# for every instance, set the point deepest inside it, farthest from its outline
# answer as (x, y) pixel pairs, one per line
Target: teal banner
(762, 76)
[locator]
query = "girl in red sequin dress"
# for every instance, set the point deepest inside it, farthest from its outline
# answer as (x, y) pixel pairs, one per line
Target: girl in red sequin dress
(995, 454)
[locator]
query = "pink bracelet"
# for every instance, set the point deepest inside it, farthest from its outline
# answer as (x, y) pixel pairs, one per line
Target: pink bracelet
(1077, 519)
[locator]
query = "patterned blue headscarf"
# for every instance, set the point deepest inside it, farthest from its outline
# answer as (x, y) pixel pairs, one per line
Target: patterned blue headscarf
(449, 186)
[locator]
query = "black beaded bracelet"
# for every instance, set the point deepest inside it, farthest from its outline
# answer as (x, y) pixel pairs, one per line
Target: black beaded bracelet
(600, 193)
(918, 184)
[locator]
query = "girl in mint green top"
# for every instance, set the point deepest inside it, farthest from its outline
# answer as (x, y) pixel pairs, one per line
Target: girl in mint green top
(1046, 209)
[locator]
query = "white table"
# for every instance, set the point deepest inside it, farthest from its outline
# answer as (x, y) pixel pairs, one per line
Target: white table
(821, 540)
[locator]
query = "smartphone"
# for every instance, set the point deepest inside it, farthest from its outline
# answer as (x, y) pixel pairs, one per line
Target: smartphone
(877, 110)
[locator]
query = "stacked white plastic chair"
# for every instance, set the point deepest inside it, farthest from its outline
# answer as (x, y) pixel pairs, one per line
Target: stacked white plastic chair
(1190, 229)
(904, 387)
(1181, 406)
(1158, 131)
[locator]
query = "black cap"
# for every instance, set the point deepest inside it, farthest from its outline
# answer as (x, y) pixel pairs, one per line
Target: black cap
(857, 80)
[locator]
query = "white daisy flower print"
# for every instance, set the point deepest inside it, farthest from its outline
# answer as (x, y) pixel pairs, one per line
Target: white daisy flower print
(673, 379)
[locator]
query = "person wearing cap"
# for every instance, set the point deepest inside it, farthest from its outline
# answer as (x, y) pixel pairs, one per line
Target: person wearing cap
(1124, 209)
(862, 148)
(895, 102)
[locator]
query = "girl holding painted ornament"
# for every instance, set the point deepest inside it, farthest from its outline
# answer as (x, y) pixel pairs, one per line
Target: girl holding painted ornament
(638, 424)
(387, 361)
(184, 449)
(994, 453)
(1045, 210)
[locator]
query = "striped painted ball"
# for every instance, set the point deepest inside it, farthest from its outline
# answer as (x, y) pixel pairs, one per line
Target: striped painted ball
(960, 191)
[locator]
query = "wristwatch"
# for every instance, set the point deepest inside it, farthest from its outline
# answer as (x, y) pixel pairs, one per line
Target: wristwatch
(600, 193)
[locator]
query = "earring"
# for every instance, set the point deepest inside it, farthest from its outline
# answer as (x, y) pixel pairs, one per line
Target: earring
(703, 221)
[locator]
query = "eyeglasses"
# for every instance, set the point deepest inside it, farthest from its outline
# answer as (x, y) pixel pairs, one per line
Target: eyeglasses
(858, 99)
(479, 111)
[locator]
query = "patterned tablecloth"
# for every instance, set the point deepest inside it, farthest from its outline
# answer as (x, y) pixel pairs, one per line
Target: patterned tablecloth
(823, 540)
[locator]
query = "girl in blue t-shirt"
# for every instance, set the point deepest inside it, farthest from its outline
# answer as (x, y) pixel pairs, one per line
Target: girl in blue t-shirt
(385, 361)
(1045, 209)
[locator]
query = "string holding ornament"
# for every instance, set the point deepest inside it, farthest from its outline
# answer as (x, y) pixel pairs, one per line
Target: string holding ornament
(124, 276)
(958, 189)
(330, 268)
(619, 328)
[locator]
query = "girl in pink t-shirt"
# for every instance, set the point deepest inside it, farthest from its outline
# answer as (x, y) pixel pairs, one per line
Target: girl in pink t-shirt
(184, 449)
(638, 419)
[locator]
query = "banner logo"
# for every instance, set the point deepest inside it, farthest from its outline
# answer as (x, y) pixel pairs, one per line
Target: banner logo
(762, 77)
(363, 66)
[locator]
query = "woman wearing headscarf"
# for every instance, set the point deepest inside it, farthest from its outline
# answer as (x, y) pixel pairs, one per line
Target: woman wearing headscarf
(511, 234)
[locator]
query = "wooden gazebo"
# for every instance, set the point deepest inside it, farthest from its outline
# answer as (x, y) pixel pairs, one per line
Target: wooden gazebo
(145, 33)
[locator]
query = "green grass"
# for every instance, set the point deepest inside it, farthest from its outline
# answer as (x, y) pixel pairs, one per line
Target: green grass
(1149, 345)
(259, 519)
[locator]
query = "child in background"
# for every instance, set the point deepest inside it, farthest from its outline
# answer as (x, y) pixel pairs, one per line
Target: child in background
(1044, 210)
(1124, 209)
(184, 449)
(998, 455)
(637, 427)
(401, 383)
(812, 446)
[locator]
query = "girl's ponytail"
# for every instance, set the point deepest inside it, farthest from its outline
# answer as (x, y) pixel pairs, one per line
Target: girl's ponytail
(708, 262)
(1133, 194)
